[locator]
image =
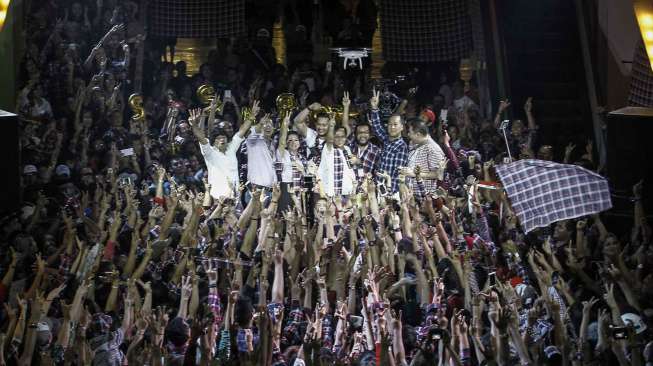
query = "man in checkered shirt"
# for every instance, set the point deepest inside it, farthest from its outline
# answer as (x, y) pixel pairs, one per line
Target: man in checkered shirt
(395, 149)
(366, 154)
(425, 154)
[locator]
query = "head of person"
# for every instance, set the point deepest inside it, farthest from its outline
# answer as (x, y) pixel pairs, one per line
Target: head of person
(292, 141)
(227, 126)
(268, 127)
(453, 132)
(220, 140)
(418, 131)
(562, 231)
(517, 127)
(177, 166)
(181, 68)
(545, 152)
(340, 137)
(322, 125)
(395, 126)
(363, 134)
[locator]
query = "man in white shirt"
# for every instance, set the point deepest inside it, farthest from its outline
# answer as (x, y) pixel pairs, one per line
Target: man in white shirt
(220, 158)
(261, 154)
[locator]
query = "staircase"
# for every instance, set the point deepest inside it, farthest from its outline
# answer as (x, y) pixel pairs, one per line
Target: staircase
(543, 60)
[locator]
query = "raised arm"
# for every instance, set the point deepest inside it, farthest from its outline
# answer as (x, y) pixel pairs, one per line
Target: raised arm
(247, 122)
(283, 134)
(503, 105)
(528, 108)
(375, 120)
(194, 120)
(345, 113)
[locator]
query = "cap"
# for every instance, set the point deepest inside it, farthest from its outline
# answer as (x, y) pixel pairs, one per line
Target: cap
(634, 320)
(552, 352)
(30, 169)
(62, 170)
(429, 115)
(263, 33)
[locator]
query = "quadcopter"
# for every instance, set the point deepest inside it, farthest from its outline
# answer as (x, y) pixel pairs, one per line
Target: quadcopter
(352, 55)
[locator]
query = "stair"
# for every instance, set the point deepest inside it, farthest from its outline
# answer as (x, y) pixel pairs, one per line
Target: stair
(544, 61)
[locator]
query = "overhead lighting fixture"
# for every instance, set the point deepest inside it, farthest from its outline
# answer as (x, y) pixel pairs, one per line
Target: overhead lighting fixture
(644, 14)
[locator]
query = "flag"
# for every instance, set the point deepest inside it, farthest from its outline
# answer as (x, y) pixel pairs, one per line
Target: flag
(543, 192)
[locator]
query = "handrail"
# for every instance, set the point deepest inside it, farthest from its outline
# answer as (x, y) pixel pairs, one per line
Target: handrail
(590, 83)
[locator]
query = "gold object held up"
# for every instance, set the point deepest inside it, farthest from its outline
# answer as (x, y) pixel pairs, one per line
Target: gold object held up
(337, 111)
(136, 105)
(286, 103)
(466, 71)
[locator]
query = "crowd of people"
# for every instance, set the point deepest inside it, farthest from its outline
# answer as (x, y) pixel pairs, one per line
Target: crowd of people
(352, 229)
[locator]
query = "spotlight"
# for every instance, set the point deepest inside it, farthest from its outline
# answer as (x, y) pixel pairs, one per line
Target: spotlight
(644, 14)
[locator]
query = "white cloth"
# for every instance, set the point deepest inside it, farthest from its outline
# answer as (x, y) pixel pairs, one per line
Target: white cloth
(326, 172)
(222, 168)
(311, 137)
(260, 161)
(286, 161)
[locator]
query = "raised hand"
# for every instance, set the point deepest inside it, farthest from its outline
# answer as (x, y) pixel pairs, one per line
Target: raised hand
(374, 101)
(345, 100)
(528, 106)
(503, 105)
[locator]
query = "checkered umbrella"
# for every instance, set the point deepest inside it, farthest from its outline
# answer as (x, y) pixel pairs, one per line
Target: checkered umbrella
(197, 18)
(543, 192)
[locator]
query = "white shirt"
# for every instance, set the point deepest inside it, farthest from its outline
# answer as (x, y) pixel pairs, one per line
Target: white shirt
(260, 161)
(286, 166)
(222, 168)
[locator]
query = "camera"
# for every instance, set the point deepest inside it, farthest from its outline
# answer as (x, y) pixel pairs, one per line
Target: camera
(618, 332)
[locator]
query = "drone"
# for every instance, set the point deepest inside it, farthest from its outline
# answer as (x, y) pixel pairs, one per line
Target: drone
(352, 55)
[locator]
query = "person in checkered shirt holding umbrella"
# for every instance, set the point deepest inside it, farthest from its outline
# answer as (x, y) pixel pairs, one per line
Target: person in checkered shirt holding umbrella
(395, 150)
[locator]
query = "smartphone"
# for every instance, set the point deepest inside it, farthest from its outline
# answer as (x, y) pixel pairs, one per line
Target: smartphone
(383, 190)
(493, 278)
(328, 66)
(227, 94)
(618, 332)
(443, 115)
(127, 152)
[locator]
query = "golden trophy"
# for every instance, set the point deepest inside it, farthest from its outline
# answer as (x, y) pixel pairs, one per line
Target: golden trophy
(286, 103)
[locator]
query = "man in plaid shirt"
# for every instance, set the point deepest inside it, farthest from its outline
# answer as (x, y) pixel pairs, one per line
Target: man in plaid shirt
(366, 155)
(395, 149)
(425, 154)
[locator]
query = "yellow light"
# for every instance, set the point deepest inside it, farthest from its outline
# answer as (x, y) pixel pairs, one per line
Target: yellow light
(646, 20)
(4, 4)
(648, 36)
(3, 15)
(644, 15)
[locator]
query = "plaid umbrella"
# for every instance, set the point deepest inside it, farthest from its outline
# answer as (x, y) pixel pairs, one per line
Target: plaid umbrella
(542, 192)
